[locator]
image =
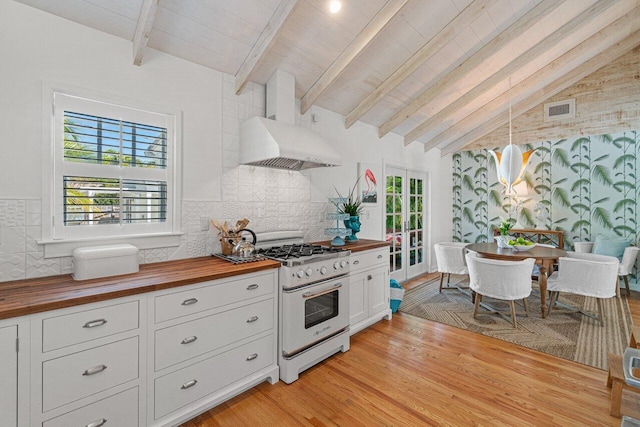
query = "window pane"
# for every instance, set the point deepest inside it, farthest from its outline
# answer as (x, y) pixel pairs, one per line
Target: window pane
(90, 201)
(94, 201)
(144, 201)
(93, 139)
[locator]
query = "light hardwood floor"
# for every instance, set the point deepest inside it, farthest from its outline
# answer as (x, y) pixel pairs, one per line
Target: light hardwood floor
(413, 372)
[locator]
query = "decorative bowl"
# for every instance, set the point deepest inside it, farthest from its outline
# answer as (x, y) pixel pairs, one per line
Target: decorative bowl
(521, 248)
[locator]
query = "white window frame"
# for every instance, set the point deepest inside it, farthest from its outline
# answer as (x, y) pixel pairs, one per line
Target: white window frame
(60, 240)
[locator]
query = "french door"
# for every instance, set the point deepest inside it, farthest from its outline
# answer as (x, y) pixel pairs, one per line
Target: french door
(405, 221)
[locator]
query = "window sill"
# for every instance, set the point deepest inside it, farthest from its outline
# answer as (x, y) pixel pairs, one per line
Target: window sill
(61, 248)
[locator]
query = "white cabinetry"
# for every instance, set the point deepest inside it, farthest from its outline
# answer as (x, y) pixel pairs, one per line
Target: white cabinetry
(153, 359)
(369, 284)
(210, 341)
(88, 364)
(8, 376)
(14, 378)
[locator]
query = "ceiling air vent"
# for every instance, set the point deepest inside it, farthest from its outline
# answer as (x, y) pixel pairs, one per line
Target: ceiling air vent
(560, 110)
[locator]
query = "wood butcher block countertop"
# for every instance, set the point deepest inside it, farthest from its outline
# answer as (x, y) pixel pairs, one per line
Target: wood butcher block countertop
(360, 245)
(22, 297)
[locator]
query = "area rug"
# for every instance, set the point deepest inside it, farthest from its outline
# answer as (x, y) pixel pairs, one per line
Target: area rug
(570, 336)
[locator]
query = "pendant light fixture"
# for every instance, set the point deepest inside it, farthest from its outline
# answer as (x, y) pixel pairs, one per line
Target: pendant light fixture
(510, 165)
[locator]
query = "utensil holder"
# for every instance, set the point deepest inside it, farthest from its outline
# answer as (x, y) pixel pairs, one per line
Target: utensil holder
(227, 243)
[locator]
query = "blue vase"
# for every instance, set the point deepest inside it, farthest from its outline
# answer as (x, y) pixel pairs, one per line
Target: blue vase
(352, 224)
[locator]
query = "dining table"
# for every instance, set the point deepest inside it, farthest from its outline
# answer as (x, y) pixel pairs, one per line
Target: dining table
(545, 257)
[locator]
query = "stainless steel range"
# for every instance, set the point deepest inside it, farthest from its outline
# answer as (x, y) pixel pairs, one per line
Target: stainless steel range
(314, 305)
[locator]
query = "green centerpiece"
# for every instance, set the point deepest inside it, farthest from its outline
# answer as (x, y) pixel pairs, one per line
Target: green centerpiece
(352, 206)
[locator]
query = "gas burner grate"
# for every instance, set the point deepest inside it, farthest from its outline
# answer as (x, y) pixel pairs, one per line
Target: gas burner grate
(296, 251)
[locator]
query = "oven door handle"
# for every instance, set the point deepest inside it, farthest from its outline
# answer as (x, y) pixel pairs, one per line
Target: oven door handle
(326, 291)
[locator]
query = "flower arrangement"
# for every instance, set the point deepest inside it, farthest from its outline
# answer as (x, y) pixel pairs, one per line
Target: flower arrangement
(505, 226)
(352, 204)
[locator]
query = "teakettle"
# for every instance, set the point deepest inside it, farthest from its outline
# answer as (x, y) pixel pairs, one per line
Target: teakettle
(244, 249)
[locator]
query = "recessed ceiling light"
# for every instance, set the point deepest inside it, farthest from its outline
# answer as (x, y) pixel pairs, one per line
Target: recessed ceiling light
(335, 6)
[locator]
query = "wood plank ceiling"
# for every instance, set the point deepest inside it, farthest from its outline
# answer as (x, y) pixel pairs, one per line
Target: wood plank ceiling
(434, 71)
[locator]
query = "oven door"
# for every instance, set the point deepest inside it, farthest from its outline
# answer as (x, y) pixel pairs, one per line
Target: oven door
(313, 313)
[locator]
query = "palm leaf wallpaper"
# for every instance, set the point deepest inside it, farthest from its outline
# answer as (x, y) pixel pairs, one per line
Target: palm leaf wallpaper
(588, 185)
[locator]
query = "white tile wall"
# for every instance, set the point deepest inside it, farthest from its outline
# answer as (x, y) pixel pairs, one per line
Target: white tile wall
(271, 199)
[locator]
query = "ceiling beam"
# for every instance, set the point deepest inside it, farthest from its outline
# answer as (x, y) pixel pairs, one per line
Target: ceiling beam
(531, 18)
(578, 23)
(592, 65)
(460, 23)
(143, 29)
(264, 43)
(355, 48)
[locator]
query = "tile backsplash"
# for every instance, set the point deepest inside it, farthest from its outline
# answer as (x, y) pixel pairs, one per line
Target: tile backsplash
(271, 199)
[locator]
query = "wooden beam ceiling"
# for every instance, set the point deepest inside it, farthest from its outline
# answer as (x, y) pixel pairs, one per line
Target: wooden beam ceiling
(264, 43)
(557, 38)
(531, 18)
(331, 74)
(590, 66)
(462, 21)
(143, 29)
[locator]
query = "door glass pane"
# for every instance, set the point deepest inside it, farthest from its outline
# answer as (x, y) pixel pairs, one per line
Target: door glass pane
(320, 308)
(415, 222)
(393, 220)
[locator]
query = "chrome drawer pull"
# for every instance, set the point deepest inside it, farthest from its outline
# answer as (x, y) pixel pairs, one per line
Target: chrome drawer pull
(97, 423)
(94, 323)
(189, 384)
(356, 262)
(252, 356)
(189, 340)
(189, 301)
(252, 287)
(252, 319)
(94, 370)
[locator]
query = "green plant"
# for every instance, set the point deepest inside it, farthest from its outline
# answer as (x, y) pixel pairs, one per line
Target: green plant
(352, 204)
(505, 226)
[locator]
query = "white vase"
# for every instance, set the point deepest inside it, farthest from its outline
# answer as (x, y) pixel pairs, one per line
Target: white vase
(502, 241)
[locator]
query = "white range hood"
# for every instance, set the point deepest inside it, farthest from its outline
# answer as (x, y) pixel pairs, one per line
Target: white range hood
(279, 143)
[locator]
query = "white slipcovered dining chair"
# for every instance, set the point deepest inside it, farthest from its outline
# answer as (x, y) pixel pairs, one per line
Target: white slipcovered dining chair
(450, 259)
(505, 280)
(626, 265)
(585, 274)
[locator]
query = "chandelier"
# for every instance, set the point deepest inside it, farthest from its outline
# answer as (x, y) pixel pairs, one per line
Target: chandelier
(510, 165)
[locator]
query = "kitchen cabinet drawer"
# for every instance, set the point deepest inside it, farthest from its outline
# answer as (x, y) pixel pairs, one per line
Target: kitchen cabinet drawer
(69, 378)
(63, 331)
(120, 410)
(217, 294)
(186, 340)
(187, 385)
(369, 259)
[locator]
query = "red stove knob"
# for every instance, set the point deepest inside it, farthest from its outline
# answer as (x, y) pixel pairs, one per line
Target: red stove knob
(308, 271)
(323, 270)
(300, 273)
(336, 265)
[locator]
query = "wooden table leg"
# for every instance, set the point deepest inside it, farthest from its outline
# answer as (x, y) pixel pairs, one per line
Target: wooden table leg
(542, 281)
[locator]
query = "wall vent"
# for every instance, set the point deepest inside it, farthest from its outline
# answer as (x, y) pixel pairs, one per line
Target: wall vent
(560, 110)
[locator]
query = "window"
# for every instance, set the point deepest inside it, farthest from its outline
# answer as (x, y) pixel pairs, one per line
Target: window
(113, 170)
